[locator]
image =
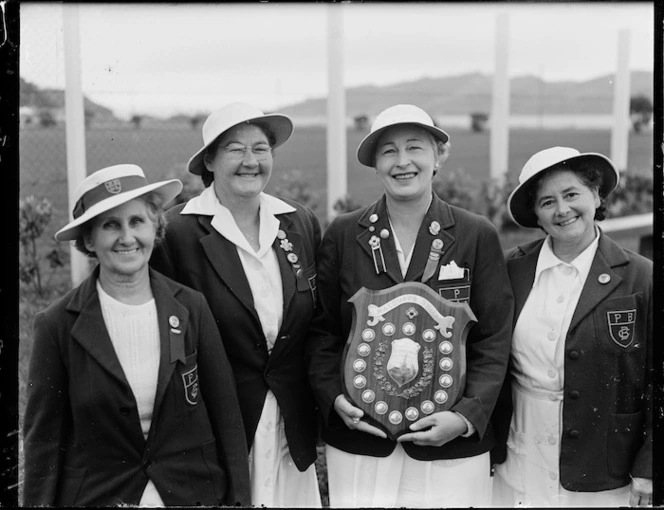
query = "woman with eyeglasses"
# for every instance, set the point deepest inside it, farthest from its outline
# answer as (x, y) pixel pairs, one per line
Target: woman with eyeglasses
(252, 256)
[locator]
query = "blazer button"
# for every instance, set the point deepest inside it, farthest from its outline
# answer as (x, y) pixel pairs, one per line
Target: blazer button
(124, 411)
(574, 394)
(147, 464)
(573, 434)
(574, 355)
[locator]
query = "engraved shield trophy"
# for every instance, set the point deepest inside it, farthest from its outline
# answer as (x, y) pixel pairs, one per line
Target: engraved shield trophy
(405, 357)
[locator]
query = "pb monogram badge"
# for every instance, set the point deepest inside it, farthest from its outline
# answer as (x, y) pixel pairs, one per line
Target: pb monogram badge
(190, 380)
(621, 326)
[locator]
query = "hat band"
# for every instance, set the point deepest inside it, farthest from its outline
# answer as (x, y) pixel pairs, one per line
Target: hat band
(107, 190)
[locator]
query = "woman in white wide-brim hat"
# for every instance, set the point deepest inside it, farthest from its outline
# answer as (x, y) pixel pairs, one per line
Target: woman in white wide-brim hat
(574, 420)
(130, 397)
(252, 256)
(410, 235)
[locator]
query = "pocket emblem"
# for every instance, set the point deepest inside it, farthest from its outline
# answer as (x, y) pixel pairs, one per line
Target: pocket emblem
(190, 380)
(621, 326)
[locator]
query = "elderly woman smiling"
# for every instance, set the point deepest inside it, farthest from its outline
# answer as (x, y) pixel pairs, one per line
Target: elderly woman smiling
(575, 416)
(252, 256)
(131, 397)
(410, 235)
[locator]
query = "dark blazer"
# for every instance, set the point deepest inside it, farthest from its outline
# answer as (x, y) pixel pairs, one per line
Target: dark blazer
(607, 402)
(345, 264)
(83, 440)
(195, 254)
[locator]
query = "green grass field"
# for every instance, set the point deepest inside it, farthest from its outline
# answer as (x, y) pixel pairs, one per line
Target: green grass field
(164, 152)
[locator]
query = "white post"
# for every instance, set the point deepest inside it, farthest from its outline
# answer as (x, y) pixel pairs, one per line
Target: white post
(500, 109)
(336, 110)
(75, 125)
(620, 130)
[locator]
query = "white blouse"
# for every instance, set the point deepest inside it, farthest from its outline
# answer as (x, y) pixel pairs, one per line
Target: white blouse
(538, 341)
(261, 267)
(134, 332)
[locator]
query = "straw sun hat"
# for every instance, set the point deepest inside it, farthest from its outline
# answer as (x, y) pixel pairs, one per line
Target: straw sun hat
(232, 115)
(108, 188)
(393, 116)
(518, 203)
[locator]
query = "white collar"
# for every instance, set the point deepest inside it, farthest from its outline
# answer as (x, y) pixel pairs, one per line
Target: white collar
(547, 259)
(207, 204)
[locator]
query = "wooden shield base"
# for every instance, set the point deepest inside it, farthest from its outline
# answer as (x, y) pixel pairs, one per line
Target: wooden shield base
(405, 355)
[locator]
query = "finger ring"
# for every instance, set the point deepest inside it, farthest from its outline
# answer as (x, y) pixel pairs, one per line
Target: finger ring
(356, 421)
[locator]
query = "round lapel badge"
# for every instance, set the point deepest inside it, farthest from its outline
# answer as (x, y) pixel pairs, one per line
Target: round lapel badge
(174, 321)
(604, 278)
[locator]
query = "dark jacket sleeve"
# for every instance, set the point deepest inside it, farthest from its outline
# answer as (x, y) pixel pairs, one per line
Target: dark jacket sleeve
(643, 463)
(47, 417)
(488, 343)
(502, 413)
(324, 348)
(219, 392)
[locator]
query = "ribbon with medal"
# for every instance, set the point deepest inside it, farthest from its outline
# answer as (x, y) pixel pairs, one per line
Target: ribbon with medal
(294, 261)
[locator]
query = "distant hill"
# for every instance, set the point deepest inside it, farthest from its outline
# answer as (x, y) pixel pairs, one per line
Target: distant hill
(33, 96)
(471, 92)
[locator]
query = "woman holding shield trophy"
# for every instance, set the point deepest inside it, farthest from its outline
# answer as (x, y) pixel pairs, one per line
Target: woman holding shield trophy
(409, 257)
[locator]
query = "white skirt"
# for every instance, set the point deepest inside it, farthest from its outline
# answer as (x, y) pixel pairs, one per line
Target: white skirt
(530, 476)
(275, 479)
(401, 481)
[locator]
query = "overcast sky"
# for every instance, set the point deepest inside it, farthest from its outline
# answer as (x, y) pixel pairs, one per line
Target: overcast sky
(163, 59)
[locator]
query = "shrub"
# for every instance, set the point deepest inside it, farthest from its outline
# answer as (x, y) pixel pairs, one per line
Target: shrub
(192, 185)
(634, 195)
(457, 188)
(478, 121)
(346, 204)
(46, 118)
(34, 216)
(295, 186)
(640, 111)
(361, 122)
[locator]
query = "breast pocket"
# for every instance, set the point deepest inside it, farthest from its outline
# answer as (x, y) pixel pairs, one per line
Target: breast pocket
(456, 290)
(620, 323)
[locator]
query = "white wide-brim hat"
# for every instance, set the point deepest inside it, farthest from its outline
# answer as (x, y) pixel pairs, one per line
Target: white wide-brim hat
(230, 116)
(518, 204)
(108, 188)
(393, 116)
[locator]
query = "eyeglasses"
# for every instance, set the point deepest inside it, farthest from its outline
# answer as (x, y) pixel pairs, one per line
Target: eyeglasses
(239, 151)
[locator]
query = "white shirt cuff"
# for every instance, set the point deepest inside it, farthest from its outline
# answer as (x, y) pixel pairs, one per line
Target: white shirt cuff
(471, 428)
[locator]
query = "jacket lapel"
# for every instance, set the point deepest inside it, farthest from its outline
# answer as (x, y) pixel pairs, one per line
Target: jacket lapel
(388, 249)
(223, 256)
(173, 319)
(522, 274)
(438, 211)
(285, 267)
(608, 256)
(90, 331)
